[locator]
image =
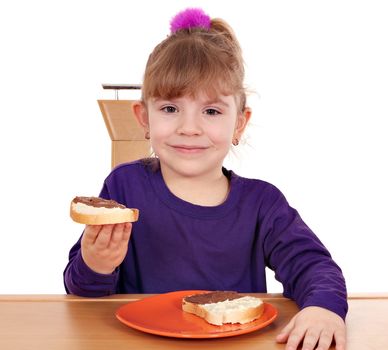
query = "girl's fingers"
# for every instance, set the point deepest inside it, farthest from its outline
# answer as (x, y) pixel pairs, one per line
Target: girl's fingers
(325, 340)
(90, 234)
(340, 338)
(311, 339)
(317, 326)
(295, 339)
(127, 232)
(104, 236)
(285, 332)
(117, 234)
(120, 234)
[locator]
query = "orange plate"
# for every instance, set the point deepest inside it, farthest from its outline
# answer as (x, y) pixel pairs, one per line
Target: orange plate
(162, 315)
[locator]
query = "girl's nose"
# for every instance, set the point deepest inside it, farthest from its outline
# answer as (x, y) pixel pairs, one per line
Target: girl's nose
(189, 124)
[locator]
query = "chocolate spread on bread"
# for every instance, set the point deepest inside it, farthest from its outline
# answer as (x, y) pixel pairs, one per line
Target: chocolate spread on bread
(212, 297)
(98, 202)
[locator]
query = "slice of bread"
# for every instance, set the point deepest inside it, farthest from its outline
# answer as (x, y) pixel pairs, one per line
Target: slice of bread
(99, 211)
(222, 307)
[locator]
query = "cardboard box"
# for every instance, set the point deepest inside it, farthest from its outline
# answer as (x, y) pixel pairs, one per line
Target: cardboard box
(128, 142)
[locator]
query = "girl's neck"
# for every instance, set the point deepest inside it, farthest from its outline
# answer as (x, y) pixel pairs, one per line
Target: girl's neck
(207, 190)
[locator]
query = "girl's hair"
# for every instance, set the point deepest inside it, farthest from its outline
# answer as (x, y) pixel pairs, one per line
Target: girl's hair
(196, 60)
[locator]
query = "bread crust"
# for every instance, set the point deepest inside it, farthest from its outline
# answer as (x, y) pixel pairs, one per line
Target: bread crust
(243, 315)
(109, 216)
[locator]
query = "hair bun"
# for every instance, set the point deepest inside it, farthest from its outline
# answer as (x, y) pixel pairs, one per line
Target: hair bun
(190, 18)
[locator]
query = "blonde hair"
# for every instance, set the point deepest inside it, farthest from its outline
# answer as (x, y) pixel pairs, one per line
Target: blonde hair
(194, 60)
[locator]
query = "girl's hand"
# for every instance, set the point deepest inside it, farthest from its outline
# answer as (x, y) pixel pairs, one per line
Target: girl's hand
(103, 247)
(315, 327)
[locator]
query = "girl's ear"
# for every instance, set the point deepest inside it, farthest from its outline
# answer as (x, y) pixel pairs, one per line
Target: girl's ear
(140, 112)
(242, 121)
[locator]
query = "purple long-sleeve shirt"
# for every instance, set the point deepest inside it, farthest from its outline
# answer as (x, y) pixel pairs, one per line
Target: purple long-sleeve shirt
(177, 245)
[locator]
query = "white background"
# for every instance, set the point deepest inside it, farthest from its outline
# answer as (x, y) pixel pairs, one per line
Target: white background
(319, 73)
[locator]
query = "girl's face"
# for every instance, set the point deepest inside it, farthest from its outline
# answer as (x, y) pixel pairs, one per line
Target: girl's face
(192, 137)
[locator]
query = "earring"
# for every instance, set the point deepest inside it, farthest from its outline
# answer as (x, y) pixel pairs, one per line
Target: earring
(147, 135)
(235, 142)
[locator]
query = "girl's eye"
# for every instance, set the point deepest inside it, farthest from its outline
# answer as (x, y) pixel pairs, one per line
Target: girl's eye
(211, 111)
(169, 109)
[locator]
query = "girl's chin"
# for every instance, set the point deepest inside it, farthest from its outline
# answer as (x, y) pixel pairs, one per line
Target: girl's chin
(190, 168)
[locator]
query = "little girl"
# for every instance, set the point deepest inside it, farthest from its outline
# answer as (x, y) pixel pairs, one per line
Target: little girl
(202, 226)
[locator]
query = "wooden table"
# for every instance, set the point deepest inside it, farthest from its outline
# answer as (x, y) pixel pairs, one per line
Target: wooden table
(73, 323)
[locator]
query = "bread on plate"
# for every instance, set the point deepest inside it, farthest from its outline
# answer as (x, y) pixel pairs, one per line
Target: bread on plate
(222, 307)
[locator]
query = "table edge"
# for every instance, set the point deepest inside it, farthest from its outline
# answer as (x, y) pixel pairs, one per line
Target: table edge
(134, 297)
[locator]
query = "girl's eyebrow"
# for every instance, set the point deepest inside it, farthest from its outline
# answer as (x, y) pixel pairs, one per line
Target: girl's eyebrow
(205, 102)
(217, 101)
(165, 100)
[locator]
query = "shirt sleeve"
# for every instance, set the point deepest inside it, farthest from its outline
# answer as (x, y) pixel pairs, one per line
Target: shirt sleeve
(301, 262)
(80, 280)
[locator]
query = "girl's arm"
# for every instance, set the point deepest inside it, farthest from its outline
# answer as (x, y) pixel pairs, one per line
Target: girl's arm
(301, 262)
(93, 269)
(309, 276)
(81, 280)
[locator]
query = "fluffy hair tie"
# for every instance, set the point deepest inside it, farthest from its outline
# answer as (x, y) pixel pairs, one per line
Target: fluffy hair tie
(190, 18)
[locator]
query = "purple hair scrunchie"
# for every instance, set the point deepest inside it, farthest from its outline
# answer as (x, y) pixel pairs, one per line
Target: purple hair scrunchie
(190, 18)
